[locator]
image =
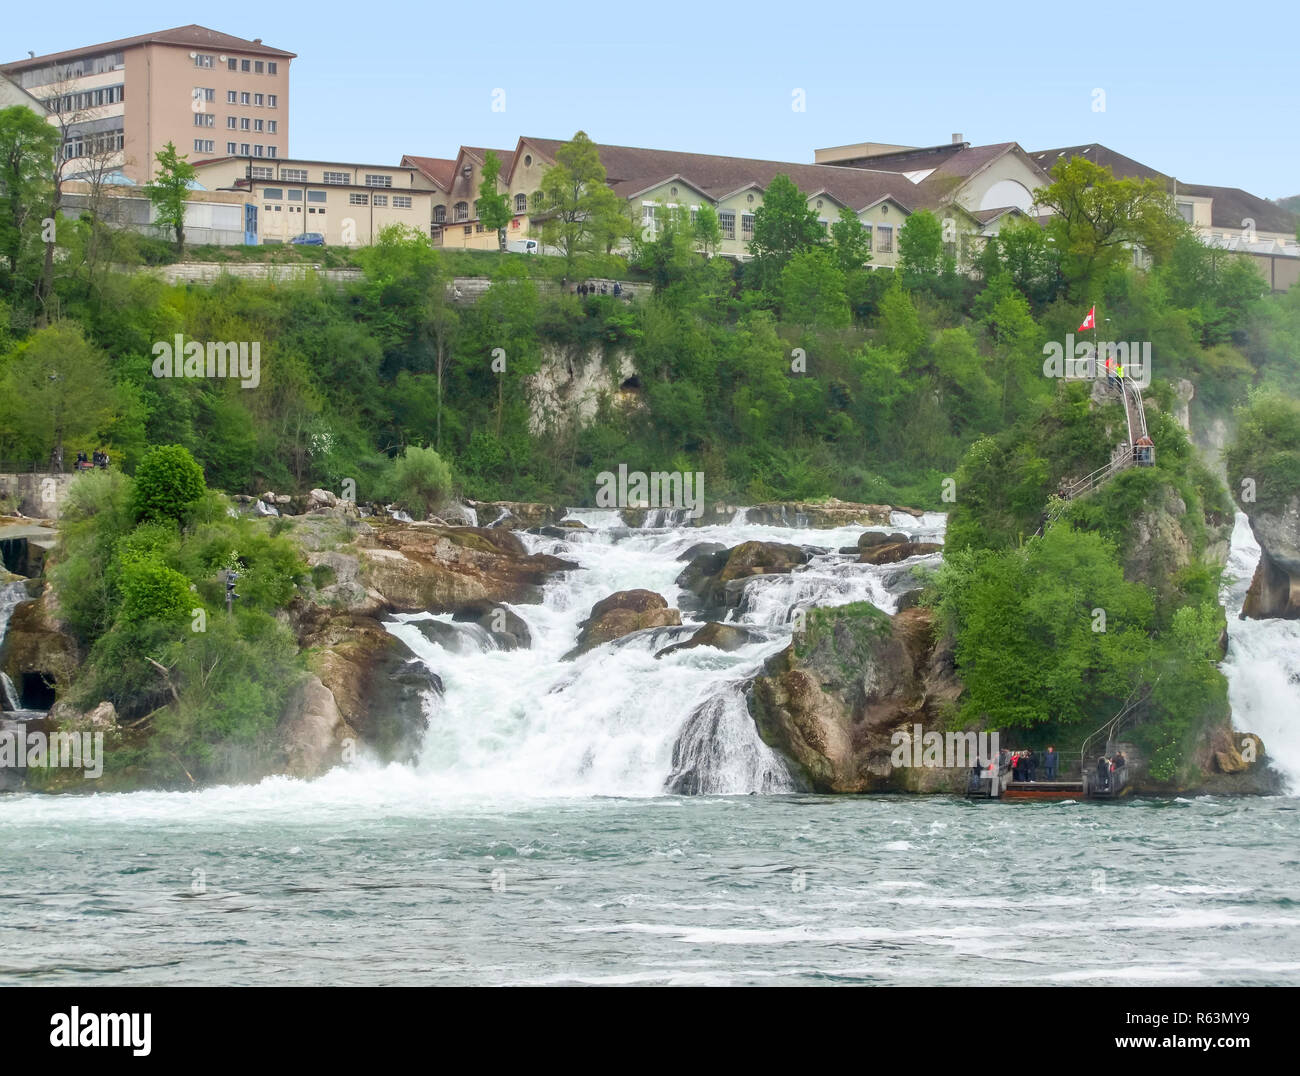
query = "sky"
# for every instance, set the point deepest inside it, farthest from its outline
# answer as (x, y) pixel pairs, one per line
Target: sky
(1205, 92)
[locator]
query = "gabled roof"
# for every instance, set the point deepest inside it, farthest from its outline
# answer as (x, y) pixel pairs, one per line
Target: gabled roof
(438, 170)
(1232, 207)
(1121, 167)
(191, 36)
(631, 170)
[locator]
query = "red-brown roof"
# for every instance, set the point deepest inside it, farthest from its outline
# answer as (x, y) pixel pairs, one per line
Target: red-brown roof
(191, 36)
(439, 170)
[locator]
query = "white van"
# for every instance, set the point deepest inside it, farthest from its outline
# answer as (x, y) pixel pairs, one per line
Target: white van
(523, 246)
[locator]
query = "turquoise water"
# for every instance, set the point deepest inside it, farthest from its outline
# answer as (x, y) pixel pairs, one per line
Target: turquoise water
(287, 884)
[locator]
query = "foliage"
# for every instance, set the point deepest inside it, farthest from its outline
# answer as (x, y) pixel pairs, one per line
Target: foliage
(167, 482)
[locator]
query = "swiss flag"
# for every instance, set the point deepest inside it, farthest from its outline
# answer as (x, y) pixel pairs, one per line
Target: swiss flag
(1090, 322)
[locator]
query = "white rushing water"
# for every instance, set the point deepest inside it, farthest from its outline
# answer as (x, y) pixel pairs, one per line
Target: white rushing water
(1263, 663)
(618, 720)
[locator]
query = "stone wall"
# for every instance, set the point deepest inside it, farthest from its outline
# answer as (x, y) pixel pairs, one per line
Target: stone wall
(38, 495)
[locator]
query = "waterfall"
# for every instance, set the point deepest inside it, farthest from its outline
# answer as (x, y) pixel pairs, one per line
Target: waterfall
(8, 694)
(12, 594)
(1262, 664)
(618, 720)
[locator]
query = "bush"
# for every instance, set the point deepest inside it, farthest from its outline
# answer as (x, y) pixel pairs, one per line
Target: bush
(419, 480)
(153, 592)
(167, 483)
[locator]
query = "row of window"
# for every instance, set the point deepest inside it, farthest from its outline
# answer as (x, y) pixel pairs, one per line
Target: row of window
(98, 98)
(207, 60)
(460, 211)
(86, 65)
(256, 100)
(275, 194)
(91, 145)
(233, 123)
(243, 149)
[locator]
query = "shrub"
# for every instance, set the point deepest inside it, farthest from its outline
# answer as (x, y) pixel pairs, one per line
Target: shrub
(167, 483)
(418, 480)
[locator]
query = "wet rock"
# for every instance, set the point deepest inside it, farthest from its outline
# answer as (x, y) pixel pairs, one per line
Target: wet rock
(312, 732)
(822, 515)
(508, 628)
(716, 580)
(893, 552)
(726, 637)
(621, 614)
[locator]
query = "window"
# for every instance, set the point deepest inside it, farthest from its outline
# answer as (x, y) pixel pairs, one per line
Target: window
(258, 99)
(230, 148)
(271, 67)
(244, 65)
(270, 151)
(867, 233)
(440, 214)
(270, 100)
(462, 212)
(358, 199)
(272, 193)
(202, 59)
(1186, 211)
(727, 223)
(257, 151)
(521, 203)
(747, 225)
(232, 64)
(243, 123)
(885, 238)
(259, 171)
(400, 201)
(243, 98)
(231, 97)
(296, 196)
(243, 149)
(203, 145)
(469, 229)
(380, 200)
(378, 181)
(257, 125)
(270, 126)
(231, 123)
(293, 175)
(201, 93)
(204, 119)
(257, 67)
(315, 196)
(336, 178)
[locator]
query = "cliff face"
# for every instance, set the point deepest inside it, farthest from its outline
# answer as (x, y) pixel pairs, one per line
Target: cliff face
(1275, 590)
(833, 700)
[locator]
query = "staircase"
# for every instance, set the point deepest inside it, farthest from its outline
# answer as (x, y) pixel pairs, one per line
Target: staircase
(1136, 450)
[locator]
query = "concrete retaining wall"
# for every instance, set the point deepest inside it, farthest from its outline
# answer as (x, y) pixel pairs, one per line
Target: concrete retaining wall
(40, 496)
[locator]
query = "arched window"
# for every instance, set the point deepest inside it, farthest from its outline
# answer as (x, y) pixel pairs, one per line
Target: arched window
(521, 203)
(462, 211)
(440, 214)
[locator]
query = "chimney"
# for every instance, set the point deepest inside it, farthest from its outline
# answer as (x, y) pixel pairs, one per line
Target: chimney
(257, 41)
(957, 139)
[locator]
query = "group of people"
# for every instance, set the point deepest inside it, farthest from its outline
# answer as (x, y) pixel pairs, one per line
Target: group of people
(590, 289)
(1024, 764)
(98, 459)
(1108, 766)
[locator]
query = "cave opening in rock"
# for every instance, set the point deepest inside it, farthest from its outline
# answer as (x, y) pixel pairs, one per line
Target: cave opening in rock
(36, 692)
(631, 384)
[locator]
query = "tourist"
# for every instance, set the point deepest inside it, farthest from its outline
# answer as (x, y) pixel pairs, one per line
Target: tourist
(1049, 763)
(618, 289)
(1031, 764)
(1103, 774)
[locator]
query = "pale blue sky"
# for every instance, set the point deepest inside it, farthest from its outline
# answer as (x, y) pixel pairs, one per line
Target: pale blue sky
(1206, 92)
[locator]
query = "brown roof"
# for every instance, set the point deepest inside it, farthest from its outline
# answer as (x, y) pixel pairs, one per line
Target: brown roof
(1232, 206)
(479, 153)
(439, 170)
(630, 170)
(192, 36)
(950, 164)
(1121, 167)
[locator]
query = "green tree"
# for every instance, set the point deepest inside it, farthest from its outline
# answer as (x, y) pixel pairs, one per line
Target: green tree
(783, 225)
(579, 211)
(167, 192)
(167, 483)
(920, 247)
(56, 389)
(27, 145)
(494, 205)
(851, 240)
(812, 290)
(419, 480)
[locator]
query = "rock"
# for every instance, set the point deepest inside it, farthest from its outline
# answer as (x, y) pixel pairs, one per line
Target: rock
(103, 716)
(378, 684)
(515, 515)
(700, 549)
(508, 628)
(37, 645)
(282, 499)
(893, 552)
(321, 498)
(822, 515)
(312, 732)
(716, 579)
(264, 508)
(726, 637)
(425, 567)
(621, 614)
(454, 514)
(832, 701)
(1274, 591)
(870, 539)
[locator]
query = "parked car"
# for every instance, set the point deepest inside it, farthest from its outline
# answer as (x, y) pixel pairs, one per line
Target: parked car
(309, 239)
(522, 246)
